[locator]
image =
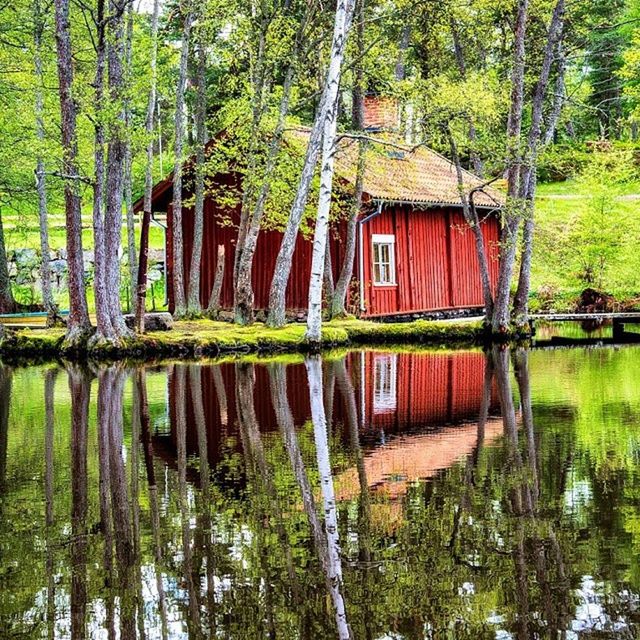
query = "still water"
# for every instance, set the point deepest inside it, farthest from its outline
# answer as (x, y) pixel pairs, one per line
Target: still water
(365, 495)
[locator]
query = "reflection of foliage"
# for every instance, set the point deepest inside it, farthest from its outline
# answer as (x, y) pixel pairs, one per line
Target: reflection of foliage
(453, 555)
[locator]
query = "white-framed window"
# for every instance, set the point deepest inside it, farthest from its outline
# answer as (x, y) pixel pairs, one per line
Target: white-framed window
(385, 373)
(384, 259)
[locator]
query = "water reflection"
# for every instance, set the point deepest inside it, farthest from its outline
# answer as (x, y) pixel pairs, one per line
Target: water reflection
(367, 495)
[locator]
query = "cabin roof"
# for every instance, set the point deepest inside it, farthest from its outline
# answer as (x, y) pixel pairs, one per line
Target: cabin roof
(394, 172)
(401, 173)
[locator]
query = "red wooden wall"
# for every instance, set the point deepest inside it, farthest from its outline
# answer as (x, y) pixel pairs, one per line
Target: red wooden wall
(436, 262)
(220, 227)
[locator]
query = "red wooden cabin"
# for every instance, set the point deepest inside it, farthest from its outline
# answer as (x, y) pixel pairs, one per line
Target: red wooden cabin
(415, 253)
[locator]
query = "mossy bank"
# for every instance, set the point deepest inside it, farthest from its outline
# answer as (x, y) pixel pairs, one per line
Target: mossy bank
(206, 338)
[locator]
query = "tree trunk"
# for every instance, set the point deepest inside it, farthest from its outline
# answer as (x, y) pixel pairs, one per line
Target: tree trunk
(471, 217)
(103, 317)
(7, 303)
(558, 97)
(344, 15)
(328, 286)
(339, 301)
(179, 299)
(78, 324)
(45, 271)
(128, 198)
(334, 564)
(512, 214)
(243, 303)
(194, 305)
(115, 171)
(528, 181)
(214, 300)
(141, 289)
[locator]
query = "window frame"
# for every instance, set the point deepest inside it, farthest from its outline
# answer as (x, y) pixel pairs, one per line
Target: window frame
(384, 239)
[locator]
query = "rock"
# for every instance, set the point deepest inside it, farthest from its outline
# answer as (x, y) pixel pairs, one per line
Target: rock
(593, 301)
(261, 315)
(152, 321)
(225, 316)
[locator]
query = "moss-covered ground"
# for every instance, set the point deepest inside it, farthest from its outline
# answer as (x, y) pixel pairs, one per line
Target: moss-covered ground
(201, 338)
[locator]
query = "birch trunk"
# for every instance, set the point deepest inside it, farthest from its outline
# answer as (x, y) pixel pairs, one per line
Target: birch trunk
(528, 185)
(344, 15)
(334, 565)
(128, 198)
(7, 303)
(141, 288)
(558, 97)
(45, 271)
(194, 306)
(512, 214)
(78, 324)
(103, 317)
(179, 299)
(115, 171)
(282, 269)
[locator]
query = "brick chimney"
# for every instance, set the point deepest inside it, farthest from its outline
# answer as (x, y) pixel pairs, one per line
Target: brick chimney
(381, 113)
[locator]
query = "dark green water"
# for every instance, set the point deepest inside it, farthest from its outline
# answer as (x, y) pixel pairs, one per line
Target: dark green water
(433, 495)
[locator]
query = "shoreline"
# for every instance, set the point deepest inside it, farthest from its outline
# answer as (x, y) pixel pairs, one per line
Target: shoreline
(193, 339)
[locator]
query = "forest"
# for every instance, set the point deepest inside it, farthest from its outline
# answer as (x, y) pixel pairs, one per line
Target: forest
(103, 99)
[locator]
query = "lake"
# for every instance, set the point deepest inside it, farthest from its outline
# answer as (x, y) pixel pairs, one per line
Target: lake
(359, 495)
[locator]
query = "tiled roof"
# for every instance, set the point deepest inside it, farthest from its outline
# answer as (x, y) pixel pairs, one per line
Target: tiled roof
(395, 172)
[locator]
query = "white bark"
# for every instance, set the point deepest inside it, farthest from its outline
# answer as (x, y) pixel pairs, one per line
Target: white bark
(45, 271)
(333, 566)
(344, 15)
(179, 299)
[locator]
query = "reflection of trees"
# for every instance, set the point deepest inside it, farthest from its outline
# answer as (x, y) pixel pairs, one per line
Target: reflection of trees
(540, 580)
(49, 385)
(79, 388)
(140, 389)
(5, 403)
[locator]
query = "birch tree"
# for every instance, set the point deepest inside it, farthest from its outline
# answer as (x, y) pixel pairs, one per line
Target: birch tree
(41, 187)
(141, 284)
(193, 304)
(179, 299)
(103, 317)
(344, 15)
(513, 212)
(78, 324)
(339, 297)
(528, 181)
(7, 303)
(128, 160)
(115, 170)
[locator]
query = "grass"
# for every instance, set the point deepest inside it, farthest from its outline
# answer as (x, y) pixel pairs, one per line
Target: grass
(556, 280)
(201, 338)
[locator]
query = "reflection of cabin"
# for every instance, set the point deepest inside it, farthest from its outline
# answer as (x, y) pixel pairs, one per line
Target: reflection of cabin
(403, 394)
(415, 252)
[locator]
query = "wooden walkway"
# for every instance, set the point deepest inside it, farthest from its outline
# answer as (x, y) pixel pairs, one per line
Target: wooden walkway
(628, 317)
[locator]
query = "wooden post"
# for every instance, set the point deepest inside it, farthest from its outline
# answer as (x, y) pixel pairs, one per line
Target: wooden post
(618, 329)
